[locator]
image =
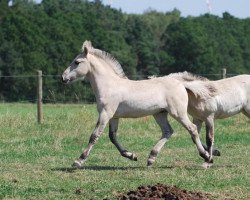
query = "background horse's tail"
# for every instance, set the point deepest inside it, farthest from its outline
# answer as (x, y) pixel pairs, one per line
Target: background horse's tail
(200, 89)
(199, 86)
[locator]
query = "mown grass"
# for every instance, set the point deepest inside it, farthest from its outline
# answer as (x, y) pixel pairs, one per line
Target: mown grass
(35, 160)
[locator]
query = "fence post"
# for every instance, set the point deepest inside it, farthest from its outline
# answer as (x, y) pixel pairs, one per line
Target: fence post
(39, 96)
(224, 73)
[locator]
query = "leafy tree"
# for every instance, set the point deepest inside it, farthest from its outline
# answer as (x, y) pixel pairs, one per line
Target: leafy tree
(4, 8)
(189, 47)
(48, 36)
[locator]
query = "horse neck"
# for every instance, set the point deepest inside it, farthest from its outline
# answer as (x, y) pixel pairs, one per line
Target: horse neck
(102, 77)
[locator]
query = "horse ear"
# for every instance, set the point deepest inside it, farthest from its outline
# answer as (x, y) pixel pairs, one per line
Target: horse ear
(85, 50)
(87, 45)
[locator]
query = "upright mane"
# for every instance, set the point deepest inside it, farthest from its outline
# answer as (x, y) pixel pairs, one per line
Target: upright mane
(186, 76)
(116, 66)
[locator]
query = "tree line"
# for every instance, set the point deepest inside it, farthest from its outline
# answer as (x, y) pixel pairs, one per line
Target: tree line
(47, 36)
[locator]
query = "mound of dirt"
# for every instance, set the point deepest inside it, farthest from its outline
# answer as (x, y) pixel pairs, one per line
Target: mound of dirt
(159, 191)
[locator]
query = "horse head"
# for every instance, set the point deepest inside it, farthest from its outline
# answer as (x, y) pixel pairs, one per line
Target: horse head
(79, 67)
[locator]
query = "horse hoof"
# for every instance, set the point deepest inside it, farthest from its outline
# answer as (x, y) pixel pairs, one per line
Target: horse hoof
(216, 152)
(150, 162)
(77, 164)
(207, 165)
(134, 157)
(129, 155)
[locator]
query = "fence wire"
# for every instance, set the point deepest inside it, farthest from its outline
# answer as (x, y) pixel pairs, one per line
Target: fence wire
(54, 91)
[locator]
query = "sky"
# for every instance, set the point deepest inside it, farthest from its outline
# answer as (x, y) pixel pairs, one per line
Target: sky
(237, 8)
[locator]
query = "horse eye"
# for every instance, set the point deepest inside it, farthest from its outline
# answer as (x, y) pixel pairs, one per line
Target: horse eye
(77, 62)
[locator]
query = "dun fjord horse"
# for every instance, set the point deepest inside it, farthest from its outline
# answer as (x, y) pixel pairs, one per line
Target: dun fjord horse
(210, 100)
(118, 97)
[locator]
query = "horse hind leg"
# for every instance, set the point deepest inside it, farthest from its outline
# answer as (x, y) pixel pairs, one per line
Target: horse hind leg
(210, 141)
(192, 129)
(210, 137)
(198, 123)
(167, 131)
(113, 127)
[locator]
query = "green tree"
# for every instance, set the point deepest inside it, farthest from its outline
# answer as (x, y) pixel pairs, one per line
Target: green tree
(189, 47)
(49, 35)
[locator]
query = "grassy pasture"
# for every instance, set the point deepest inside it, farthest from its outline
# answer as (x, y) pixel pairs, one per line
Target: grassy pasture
(35, 159)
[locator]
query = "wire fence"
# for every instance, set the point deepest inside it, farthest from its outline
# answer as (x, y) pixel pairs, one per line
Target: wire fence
(23, 88)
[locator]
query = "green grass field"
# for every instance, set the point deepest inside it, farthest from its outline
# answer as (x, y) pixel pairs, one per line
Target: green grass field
(35, 160)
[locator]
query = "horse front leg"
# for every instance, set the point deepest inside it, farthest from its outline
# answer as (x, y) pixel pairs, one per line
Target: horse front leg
(113, 127)
(167, 131)
(100, 125)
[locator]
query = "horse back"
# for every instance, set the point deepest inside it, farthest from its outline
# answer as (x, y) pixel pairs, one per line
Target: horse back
(230, 97)
(147, 97)
(240, 83)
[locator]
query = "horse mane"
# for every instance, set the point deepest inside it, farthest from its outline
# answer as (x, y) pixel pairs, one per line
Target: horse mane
(116, 66)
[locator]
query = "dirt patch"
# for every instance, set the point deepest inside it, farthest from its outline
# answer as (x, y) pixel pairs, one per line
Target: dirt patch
(159, 191)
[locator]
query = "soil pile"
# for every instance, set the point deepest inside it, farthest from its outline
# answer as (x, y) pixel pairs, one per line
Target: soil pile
(159, 191)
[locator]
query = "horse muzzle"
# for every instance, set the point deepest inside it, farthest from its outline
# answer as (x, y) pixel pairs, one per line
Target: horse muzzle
(65, 80)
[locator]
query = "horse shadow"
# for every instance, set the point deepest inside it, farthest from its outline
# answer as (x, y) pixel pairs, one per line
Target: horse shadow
(95, 168)
(103, 168)
(144, 168)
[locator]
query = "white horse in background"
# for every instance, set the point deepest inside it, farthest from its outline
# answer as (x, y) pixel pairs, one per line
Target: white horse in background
(118, 97)
(210, 100)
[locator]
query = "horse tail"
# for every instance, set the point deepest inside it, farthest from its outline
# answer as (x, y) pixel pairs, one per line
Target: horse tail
(200, 89)
(199, 86)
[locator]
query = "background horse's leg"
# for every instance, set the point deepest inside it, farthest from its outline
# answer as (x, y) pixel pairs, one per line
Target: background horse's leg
(167, 131)
(198, 123)
(192, 129)
(100, 125)
(210, 137)
(113, 126)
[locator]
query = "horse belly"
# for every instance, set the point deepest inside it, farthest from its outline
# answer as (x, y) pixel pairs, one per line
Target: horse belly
(138, 109)
(229, 106)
